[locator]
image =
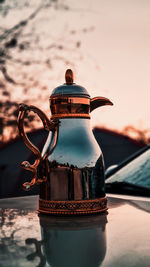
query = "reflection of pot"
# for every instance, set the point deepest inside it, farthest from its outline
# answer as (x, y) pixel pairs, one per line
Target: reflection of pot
(75, 242)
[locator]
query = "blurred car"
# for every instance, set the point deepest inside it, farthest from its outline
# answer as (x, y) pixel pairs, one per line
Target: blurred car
(132, 176)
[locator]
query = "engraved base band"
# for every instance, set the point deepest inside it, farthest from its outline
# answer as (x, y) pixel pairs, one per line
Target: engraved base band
(73, 207)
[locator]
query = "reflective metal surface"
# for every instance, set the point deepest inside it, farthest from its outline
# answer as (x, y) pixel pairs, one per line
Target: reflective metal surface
(119, 238)
(73, 89)
(48, 125)
(64, 107)
(136, 172)
(75, 169)
(69, 77)
(71, 166)
(71, 107)
(84, 243)
(76, 145)
(74, 207)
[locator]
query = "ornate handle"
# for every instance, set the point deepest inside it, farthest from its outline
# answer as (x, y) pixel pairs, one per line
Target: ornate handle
(48, 125)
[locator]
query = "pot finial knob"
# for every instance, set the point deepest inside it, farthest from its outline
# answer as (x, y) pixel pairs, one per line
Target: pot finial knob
(69, 77)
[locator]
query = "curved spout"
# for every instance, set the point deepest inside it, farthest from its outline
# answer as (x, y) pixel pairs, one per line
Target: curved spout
(98, 102)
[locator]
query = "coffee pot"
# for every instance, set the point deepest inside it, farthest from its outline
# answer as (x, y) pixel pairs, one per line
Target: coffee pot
(70, 168)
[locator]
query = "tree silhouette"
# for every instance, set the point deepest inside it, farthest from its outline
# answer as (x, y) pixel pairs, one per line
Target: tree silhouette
(143, 136)
(24, 48)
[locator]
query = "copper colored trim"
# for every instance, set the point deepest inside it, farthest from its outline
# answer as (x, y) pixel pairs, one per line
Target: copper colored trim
(70, 100)
(73, 115)
(48, 125)
(69, 77)
(73, 207)
(98, 102)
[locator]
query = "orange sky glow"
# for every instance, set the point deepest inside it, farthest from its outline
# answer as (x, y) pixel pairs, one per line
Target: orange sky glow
(112, 59)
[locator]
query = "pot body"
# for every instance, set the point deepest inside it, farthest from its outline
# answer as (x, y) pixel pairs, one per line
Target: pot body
(74, 170)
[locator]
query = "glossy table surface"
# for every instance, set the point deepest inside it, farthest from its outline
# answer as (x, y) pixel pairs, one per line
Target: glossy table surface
(120, 237)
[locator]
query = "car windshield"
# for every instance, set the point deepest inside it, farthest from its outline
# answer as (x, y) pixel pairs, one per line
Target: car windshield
(136, 172)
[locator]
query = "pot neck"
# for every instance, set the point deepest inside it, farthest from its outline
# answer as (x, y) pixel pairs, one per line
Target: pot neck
(70, 107)
(74, 123)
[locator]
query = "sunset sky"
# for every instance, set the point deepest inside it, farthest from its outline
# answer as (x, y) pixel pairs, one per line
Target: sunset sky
(119, 46)
(111, 57)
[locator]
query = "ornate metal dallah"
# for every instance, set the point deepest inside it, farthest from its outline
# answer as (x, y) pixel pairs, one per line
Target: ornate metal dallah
(70, 169)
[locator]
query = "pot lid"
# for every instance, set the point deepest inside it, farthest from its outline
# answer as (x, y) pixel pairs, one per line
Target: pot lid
(70, 88)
